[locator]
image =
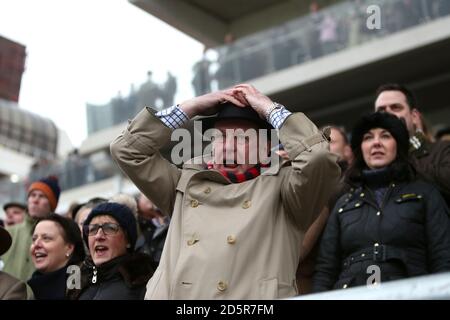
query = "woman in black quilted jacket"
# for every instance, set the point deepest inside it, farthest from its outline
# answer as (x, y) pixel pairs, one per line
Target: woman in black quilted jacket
(391, 225)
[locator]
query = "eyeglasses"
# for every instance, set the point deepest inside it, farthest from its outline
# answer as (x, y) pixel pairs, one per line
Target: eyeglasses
(107, 228)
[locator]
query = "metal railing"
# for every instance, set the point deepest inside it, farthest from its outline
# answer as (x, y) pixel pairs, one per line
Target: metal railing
(430, 287)
(318, 34)
(73, 172)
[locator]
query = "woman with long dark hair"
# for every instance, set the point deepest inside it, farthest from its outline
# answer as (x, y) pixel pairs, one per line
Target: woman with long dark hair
(390, 222)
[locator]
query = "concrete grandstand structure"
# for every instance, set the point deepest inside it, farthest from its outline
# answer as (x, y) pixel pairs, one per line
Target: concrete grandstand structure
(278, 46)
(26, 139)
(337, 87)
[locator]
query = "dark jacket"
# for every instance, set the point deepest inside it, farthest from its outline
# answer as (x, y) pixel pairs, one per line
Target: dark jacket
(122, 278)
(152, 239)
(311, 240)
(407, 235)
(49, 286)
(432, 162)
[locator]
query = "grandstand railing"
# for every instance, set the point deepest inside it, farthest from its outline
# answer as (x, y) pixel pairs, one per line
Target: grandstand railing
(304, 39)
(430, 287)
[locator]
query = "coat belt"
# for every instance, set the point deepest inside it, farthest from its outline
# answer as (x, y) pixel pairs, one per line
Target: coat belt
(376, 253)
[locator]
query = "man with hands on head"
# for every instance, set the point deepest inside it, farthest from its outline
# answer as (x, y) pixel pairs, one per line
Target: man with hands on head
(234, 229)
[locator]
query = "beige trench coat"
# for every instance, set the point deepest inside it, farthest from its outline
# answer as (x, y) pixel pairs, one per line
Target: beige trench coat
(12, 288)
(229, 241)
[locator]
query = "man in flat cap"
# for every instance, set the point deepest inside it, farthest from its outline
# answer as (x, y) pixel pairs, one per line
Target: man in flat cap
(15, 213)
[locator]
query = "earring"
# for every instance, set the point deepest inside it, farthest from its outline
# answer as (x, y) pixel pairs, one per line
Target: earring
(67, 254)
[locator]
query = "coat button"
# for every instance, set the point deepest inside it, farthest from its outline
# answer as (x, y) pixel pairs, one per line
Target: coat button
(362, 194)
(376, 244)
(357, 205)
(192, 241)
(231, 239)
(247, 204)
(363, 255)
(378, 213)
(340, 210)
(194, 203)
(344, 286)
(207, 190)
(222, 286)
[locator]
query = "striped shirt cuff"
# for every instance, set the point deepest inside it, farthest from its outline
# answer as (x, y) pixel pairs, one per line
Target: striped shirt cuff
(278, 116)
(173, 117)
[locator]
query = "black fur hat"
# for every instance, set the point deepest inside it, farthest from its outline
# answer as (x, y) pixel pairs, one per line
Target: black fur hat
(390, 122)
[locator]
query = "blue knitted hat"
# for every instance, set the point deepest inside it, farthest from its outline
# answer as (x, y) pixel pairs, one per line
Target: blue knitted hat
(123, 215)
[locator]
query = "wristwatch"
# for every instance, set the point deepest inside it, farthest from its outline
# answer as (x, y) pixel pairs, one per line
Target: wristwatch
(275, 106)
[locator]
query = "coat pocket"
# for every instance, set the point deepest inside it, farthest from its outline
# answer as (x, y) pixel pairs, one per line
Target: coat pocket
(410, 207)
(350, 214)
(274, 289)
(268, 289)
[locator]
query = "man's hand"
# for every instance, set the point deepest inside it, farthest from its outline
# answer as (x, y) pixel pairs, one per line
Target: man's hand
(258, 101)
(209, 103)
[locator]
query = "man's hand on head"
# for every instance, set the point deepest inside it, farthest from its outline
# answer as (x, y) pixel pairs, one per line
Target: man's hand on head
(254, 98)
(209, 103)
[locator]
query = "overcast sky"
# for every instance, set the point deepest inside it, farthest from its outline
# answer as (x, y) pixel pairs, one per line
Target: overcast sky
(89, 50)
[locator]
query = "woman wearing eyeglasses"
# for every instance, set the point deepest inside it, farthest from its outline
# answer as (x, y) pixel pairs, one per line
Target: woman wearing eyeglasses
(56, 244)
(113, 271)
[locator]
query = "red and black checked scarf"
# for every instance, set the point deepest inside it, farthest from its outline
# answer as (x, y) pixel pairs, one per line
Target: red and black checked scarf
(249, 174)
